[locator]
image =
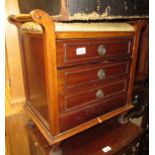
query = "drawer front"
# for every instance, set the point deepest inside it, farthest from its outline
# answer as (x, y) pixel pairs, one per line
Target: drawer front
(74, 77)
(70, 52)
(89, 95)
(75, 117)
(132, 149)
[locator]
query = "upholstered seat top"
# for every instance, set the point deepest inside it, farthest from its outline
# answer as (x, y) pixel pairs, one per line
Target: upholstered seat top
(81, 27)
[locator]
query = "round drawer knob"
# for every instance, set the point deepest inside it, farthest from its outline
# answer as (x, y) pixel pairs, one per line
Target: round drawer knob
(138, 144)
(101, 50)
(99, 94)
(101, 74)
(36, 144)
(133, 149)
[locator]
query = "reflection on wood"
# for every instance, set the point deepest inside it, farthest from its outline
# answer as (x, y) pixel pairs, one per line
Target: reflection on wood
(13, 56)
(16, 134)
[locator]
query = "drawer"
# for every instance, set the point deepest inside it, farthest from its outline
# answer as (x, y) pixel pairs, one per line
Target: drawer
(104, 72)
(79, 51)
(75, 117)
(89, 95)
(132, 148)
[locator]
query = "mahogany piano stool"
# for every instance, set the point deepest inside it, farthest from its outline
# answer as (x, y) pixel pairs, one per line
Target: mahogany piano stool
(76, 76)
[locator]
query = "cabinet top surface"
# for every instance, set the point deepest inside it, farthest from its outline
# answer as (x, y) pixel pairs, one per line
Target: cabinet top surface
(81, 27)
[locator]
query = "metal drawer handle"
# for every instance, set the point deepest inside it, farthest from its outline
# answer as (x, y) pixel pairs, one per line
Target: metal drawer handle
(99, 94)
(101, 74)
(101, 50)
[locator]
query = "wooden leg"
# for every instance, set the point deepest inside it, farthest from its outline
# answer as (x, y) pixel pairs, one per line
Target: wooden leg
(56, 150)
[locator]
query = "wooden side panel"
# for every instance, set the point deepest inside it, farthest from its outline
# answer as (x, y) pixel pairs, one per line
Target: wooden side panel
(50, 67)
(142, 69)
(33, 58)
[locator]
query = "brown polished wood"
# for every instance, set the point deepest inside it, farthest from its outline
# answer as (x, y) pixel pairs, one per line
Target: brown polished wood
(66, 50)
(82, 127)
(15, 119)
(93, 140)
(69, 79)
(78, 116)
(16, 134)
(68, 92)
(138, 27)
(142, 69)
(15, 79)
(90, 95)
(50, 67)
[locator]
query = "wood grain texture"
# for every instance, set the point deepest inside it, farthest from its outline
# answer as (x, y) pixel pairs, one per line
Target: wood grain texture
(50, 67)
(82, 127)
(142, 69)
(36, 44)
(71, 78)
(67, 49)
(13, 55)
(34, 74)
(15, 119)
(77, 117)
(16, 134)
(93, 140)
(78, 35)
(80, 115)
(89, 96)
(138, 27)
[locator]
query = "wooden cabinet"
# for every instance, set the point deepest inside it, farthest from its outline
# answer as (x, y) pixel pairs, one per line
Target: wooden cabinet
(121, 139)
(132, 149)
(76, 78)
